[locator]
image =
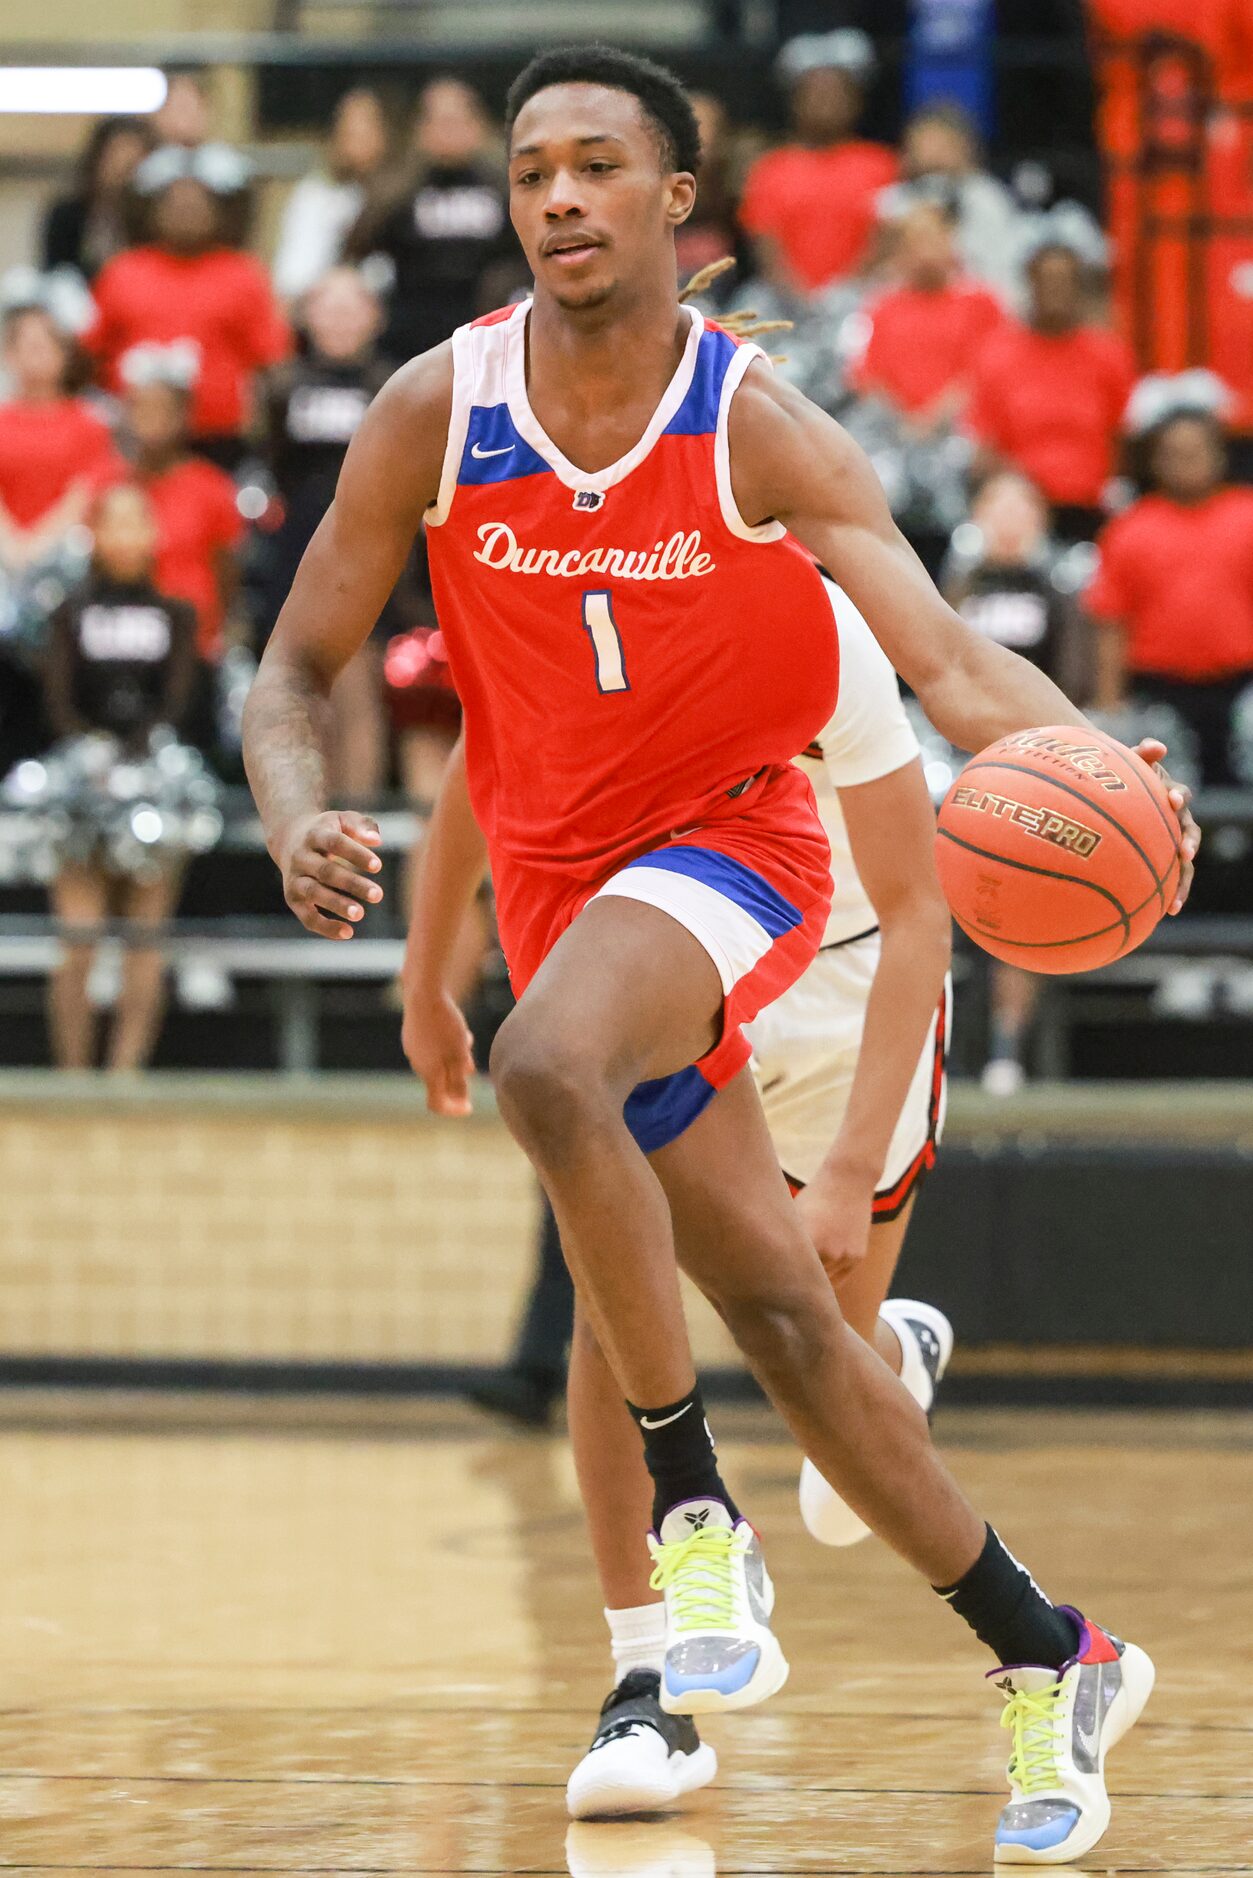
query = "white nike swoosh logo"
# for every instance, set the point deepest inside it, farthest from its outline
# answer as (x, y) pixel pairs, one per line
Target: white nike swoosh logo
(481, 454)
(666, 1419)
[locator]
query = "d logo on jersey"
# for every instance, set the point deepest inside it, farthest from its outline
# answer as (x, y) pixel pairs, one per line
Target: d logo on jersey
(589, 499)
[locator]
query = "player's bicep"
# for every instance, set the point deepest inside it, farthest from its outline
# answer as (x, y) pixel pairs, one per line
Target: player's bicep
(792, 462)
(891, 832)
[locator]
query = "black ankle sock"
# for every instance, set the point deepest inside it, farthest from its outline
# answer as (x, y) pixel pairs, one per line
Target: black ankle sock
(1007, 1610)
(679, 1452)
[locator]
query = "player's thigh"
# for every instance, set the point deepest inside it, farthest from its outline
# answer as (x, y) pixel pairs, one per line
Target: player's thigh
(627, 989)
(737, 1231)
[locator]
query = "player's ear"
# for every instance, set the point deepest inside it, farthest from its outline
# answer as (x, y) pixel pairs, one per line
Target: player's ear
(680, 196)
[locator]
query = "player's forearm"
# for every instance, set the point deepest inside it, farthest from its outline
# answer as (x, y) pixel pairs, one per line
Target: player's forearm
(988, 692)
(913, 959)
(450, 865)
(284, 731)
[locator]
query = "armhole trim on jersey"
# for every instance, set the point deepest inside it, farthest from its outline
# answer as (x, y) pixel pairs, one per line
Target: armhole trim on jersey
(764, 531)
(458, 426)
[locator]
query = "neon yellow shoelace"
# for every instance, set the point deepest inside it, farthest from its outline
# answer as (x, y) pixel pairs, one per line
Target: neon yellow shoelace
(699, 1574)
(1032, 1718)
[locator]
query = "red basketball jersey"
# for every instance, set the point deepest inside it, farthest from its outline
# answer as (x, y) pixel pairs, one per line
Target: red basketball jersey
(628, 650)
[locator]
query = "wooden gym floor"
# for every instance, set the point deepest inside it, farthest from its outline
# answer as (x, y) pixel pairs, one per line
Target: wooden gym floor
(366, 1639)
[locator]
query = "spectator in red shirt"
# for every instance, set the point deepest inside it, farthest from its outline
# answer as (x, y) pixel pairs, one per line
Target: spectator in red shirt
(810, 206)
(199, 527)
(55, 453)
(1173, 591)
(921, 336)
(187, 284)
(1049, 393)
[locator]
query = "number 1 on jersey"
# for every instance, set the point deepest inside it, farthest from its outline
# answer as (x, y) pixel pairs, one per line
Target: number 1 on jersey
(602, 630)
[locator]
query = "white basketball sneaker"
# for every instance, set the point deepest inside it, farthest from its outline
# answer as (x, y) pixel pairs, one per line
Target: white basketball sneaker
(1062, 1723)
(926, 1339)
(721, 1653)
(641, 1760)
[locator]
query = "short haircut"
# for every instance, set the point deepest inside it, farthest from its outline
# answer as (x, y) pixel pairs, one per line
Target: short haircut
(665, 104)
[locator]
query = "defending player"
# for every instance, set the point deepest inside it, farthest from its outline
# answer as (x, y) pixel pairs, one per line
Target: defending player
(616, 500)
(850, 1067)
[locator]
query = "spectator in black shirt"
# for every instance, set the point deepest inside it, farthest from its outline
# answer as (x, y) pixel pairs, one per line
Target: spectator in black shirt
(445, 226)
(1011, 586)
(120, 662)
(1006, 586)
(89, 226)
(313, 406)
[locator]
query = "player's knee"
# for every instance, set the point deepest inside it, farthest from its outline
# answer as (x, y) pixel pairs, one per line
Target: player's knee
(548, 1088)
(783, 1331)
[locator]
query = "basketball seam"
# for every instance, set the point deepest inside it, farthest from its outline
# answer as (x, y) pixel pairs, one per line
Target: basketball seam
(1051, 945)
(1097, 808)
(1046, 873)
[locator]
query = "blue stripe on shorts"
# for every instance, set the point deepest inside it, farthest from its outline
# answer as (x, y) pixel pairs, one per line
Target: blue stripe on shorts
(733, 880)
(658, 1112)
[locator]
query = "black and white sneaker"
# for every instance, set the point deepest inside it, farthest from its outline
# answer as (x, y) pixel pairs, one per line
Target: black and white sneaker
(641, 1760)
(926, 1340)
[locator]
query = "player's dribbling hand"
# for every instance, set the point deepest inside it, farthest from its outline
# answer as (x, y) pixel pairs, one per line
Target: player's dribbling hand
(326, 865)
(1151, 750)
(437, 1042)
(836, 1211)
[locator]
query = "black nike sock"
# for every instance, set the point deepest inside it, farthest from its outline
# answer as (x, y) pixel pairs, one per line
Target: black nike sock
(679, 1454)
(1007, 1610)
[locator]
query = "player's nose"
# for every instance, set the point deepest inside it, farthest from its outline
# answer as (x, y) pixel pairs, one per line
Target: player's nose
(565, 198)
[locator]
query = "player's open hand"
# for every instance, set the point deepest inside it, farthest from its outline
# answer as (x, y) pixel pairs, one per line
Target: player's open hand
(836, 1210)
(327, 863)
(1151, 750)
(440, 1049)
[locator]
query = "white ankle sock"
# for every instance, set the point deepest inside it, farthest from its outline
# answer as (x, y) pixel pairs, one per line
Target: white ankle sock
(637, 1638)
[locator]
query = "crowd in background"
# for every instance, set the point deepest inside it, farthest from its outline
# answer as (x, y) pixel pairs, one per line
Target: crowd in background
(176, 405)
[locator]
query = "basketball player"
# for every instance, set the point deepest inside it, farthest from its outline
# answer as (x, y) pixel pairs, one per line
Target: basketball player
(619, 503)
(831, 1059)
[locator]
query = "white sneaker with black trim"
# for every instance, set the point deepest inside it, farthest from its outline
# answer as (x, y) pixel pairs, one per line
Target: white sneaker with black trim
(926, 1339)
(641, 1760)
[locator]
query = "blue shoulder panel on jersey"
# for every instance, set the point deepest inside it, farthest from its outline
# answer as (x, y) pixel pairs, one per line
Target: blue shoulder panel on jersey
(735, 882)
(697, 416)
(495, 452)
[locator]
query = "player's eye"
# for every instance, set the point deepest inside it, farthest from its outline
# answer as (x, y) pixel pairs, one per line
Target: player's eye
(599, 166)
(526, 178)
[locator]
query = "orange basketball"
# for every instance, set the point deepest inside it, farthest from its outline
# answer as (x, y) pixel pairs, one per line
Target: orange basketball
(1056, 849)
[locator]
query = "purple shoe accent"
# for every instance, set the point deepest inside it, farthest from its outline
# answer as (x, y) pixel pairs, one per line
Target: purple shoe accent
(1085, 1636)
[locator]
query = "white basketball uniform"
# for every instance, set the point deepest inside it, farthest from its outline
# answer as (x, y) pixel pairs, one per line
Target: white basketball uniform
(806, 1044)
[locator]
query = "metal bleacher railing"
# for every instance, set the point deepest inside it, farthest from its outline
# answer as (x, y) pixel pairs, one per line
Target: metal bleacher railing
(1198, 967)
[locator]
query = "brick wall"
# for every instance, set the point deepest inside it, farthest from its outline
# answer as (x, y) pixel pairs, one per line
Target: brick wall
(260, 1225)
